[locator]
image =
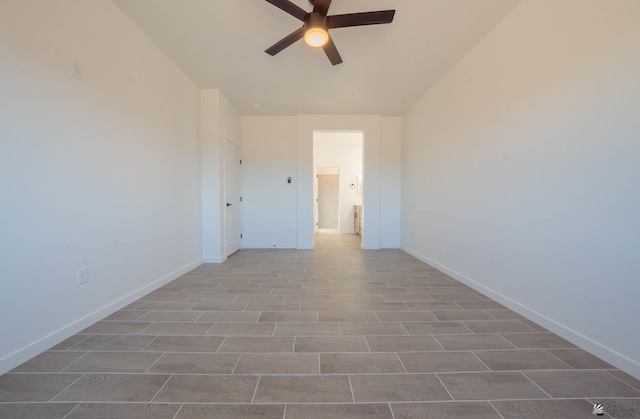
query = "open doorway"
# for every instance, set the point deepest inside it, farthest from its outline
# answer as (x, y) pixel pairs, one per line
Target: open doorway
(337, 194)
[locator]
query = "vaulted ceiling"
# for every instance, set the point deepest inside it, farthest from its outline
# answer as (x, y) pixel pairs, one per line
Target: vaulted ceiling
(220, 44)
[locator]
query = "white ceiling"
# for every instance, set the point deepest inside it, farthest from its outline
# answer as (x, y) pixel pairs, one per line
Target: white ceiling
(220, 44)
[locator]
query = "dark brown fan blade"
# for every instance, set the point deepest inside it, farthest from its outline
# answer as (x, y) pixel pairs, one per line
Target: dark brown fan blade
(360, 19)
(290, 8)
(286, 41)
(321, 6)
(332, 52)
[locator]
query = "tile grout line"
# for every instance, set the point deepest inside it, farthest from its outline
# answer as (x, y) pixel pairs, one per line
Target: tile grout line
(535, 384)
(161, 387)
(178, 411)
(255, 390)
(558, 358)
(445, 387)
(81, 356)
(71, 411)
(393, 416)
(154, 362)
(402, 363)
(481, 361)
(233, 371)
(620, 379)
(494, 408)
(67, 387)
(353, 398)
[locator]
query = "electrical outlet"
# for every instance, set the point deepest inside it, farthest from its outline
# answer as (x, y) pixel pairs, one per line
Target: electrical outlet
(76, 69)
(82, 275)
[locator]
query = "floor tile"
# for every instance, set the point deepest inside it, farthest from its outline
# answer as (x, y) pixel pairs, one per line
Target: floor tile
(114, 388)
(441, 362)
(231, 411)
(435, 328)
(521, 360)
(166, 305)
(35, 410)
(398, 387)
(402, 344)
(497, 326)
(68, 343)
(50, 361)
(313, 329)
(195, 363)
(348, 316)
(113, 343)
(371, 328)
(278, 364)
(473, 342)
(338, 411)
(307, 329)
(331, 344)
(257, 344)
(537, 340)
(581, 384)
(115, 328)
(113, 362)
(449, 410)
(552, 409)
(216, 306)
(580, 359)
(623, 376)
(33, 387)
(171, 316)
(229, 316)
(176, 329)
(436, 305)
(125, 315)
(619, 408)
(129, 411)
(303, 389)
(242, 329)
(185, 344)
(491, 385)
(448, 315)
(405, 316)
(360, 363)
(288, 316)
(208, 389)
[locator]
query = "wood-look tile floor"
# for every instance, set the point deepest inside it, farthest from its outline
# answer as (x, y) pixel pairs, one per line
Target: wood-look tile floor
(331, 333)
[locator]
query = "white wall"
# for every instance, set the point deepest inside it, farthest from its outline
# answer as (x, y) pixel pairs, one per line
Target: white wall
(390, 181)
(276, 147)
(219, 122)
(269, 202)
(370, 126)
(344, 151)
(521, 174)
(101, 172)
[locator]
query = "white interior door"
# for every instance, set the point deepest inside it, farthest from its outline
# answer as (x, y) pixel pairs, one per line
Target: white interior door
(328, 202)
(233, 197)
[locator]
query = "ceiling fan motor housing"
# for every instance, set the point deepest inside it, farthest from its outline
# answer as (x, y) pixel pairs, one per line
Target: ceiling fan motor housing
(314, 20)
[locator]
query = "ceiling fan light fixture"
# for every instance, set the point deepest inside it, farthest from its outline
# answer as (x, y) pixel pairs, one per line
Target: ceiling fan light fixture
(316, 37)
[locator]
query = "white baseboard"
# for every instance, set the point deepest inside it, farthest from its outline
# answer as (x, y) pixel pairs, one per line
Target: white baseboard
(220, 259)
(389, 246)
(369, 246)
(268, 245)
(609, 355)
(29, 351)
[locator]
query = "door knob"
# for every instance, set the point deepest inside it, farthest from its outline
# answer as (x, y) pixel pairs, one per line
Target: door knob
(228, 204)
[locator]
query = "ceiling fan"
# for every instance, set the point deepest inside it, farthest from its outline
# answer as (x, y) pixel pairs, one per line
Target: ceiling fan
(316, 25)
